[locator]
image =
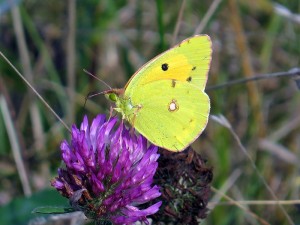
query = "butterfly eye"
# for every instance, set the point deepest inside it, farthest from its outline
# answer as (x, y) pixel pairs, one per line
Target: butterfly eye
(112, 97)
(165, 67)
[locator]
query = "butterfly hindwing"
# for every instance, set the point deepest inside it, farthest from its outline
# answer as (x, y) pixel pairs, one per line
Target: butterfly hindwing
(173, 116)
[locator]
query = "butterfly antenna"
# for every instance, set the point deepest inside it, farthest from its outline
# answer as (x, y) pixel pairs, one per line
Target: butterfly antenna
(91, 95)
(92, 75)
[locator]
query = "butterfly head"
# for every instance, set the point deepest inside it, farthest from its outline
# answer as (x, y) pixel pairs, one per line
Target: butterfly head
(122, 104)
(113, 94)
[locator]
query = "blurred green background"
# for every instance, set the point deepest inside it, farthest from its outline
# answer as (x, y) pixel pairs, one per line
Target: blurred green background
(51, 42)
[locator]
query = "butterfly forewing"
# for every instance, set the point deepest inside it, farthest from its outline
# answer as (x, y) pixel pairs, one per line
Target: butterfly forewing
(188, 61)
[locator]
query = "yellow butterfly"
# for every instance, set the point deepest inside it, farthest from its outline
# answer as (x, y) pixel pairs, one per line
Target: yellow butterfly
(165, 99)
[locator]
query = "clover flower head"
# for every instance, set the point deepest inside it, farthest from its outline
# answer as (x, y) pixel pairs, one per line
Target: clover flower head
(108, 172)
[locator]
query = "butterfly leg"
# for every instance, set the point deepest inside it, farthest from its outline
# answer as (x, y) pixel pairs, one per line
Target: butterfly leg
(138, 108)
(112, 112)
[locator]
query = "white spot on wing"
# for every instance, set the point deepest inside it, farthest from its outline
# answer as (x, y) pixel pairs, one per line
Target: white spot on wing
(173, 106)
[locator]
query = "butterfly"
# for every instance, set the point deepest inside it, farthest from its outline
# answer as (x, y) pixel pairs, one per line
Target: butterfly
(165, 99)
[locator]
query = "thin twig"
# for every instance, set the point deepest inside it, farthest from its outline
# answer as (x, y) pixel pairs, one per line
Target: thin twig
(261, 220)
(227, 184)
(223, 121)
(34, 90)
(256, 202)
(291, 73)
(178, 22)
(283, 11)
(207, 16)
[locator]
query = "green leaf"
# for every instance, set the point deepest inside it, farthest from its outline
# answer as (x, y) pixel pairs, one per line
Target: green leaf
(19, 211)
(53, 210)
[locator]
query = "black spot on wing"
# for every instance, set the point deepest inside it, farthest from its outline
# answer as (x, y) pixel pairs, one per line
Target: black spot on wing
(173, 83)
(165, 66)
(189, 79)
(194, 68)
